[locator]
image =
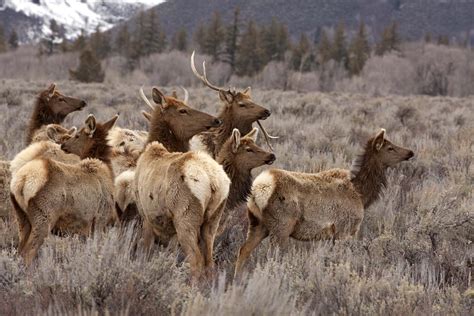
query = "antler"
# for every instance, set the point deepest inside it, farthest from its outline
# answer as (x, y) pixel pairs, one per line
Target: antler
(203, 77)
(142, 94)
(186, 94)
(266, 135)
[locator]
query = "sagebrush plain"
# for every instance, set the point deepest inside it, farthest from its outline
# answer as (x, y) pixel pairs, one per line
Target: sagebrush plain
(414, 254)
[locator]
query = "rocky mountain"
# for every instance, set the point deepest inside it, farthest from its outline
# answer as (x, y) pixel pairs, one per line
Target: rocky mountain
(452, 18)
(31, 18)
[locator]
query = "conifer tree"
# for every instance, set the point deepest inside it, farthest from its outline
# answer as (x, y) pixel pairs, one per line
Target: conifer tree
(231, 40)
(180, 41)
(153, 38)
(443, 40)
(390, 40)
(214, 38)
(250, 57)
(122, 41)
(51, 41)
(274, 41)
(13, 40)
(359, 51)
(200, 37)
(80, 42)
(301, 55)
(89, 69)
(339, 49)
(100, 44)
(3, 44)
(324, 48)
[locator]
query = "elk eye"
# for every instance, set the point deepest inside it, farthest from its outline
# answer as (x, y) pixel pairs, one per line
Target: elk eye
(250, 150)
(183, 111)
(390, 149)
(61, 99)
(242, 105)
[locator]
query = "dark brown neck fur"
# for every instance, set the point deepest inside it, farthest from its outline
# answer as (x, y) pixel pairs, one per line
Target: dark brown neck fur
(222, 133)
(42, 115)
(368, 175)
(101, 150)
(161, 132)
(241, 180)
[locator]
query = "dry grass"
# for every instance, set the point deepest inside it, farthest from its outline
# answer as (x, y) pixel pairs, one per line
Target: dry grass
(414, 254)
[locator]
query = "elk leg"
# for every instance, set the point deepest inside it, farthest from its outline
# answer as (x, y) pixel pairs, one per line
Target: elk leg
(256, 233)
(39, 231)
(148, 236)
(208, 234)
(280, 232)
(24, 226)
(188, 238)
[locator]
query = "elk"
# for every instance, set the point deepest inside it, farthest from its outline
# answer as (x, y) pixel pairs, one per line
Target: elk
(324, 205)
(239, 156)
(239, 111)
(172, 132)
(180, 193)
(74, 198)
(51, 107)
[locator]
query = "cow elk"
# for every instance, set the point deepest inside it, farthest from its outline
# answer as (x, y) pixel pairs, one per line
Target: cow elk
(326, 205)
(239, 111)
(180, 193)
(74, 198)
(239, 156)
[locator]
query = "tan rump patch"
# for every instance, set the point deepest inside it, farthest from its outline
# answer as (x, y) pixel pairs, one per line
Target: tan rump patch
(262, 189)
(28, 181)
(124, 193)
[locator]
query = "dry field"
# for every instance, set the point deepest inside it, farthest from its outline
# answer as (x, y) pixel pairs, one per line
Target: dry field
(414, 254)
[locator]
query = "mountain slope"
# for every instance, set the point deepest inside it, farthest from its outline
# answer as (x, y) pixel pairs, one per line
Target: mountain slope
(416, 17)
(31, 18)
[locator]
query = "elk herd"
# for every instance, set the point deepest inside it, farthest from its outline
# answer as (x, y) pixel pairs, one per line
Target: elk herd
(180, 179)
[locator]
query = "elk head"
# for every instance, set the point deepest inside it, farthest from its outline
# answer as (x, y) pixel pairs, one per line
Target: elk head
(91, 140)
(183, 121)
(60, 105)
(387, 153)
(239, 105)
(58, 134)
(245, 152)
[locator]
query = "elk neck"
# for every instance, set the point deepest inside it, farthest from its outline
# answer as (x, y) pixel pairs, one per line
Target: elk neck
(368, 175)
(229, 122)
(42, 115)
(160, 131)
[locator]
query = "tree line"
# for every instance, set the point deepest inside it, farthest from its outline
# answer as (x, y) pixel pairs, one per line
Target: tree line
(245, 46)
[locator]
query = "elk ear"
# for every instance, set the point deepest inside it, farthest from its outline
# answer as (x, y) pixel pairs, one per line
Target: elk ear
(72, 130)
(253, 134)
(159, 97)
(174, 94)
(90, 125)
(226, 96)
(110, 123)
(247, 91)
(235, 140)
(378, 140)
(51, 132)
(146, 115)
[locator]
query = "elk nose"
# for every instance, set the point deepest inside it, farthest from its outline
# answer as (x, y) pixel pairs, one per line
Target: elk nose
(217, 122)
(83, 103)
(266, 114)
(411, 154)
(271, 159)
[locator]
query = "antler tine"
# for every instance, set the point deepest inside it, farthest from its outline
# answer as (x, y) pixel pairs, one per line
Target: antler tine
(186, 94)
(266, 135)
(142, 94)
(203, 77)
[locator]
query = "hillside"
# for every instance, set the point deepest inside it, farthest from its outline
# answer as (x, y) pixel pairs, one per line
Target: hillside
(416, 17)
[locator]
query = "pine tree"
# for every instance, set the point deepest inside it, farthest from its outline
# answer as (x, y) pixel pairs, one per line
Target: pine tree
(100, 44)
(80, 42)
(214, 38)
(51, 41)
(122, 41)
(428, 37)
(301, 55)
(359, 51)
(13, 40)
(180, 41)
(339, 49)
(3, 44)
(231, 40)
(250, 57)
(390, 40)
(324, 48)
(154, 38)
(275, 41)
(200, 37)
(443, 40)
(89, 69)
